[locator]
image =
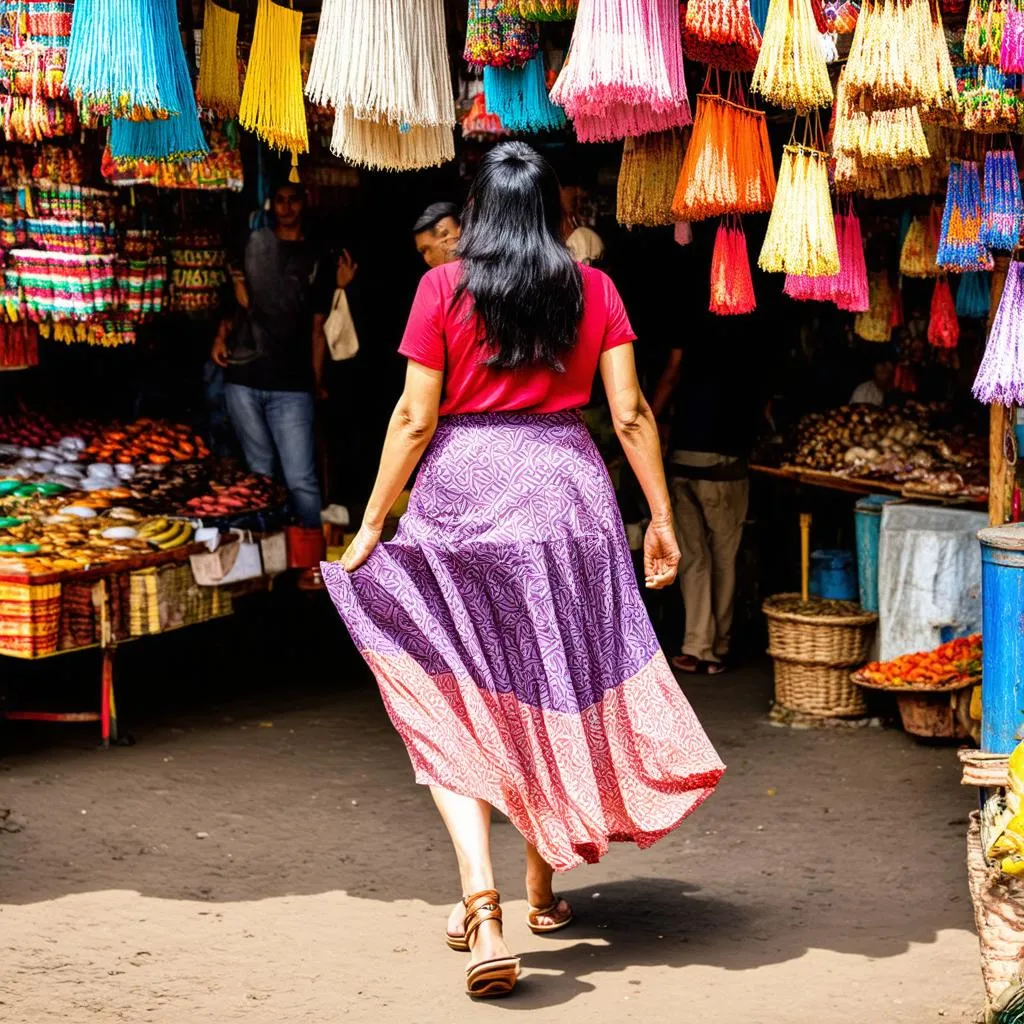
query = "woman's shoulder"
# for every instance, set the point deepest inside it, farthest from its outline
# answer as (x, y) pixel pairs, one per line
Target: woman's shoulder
(597, 285)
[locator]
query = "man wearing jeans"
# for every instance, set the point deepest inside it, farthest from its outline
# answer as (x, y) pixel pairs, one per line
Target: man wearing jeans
(273, 352)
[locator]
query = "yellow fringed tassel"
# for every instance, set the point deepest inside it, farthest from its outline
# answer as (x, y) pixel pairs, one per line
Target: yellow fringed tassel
(801, 236)
(272, 103)
(647, 179)
(791, 69)
(217, 89)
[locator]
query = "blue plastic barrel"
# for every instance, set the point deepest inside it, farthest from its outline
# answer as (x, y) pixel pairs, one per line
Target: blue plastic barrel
(833, 574)
(1002, 618)
(868, 528)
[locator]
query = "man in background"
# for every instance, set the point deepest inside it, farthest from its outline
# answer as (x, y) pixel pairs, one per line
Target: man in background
(436, 233)
(274, 350)
(875, 390)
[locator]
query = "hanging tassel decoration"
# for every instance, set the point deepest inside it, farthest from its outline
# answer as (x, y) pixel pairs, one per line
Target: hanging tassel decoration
(943, 326)
(960, 245)
(801, 235)
(176, 138)
(326, 72)
(728, 165)
(647, 179)
(919, 251)
(683, 233)
(983, 35)
(624, 75)
(1002, 205)
(1011, 50)
(543, 10)
(722, 34)
(217, 88)
(876, 323)
(972, 295)
(496, 37)
(810, 289)
(519, 97)
(732, 289)
(791, 70)
(272, 106)
(393, 98)
(1000, 377)
(480, 125)
(851, 293)
(113, 69)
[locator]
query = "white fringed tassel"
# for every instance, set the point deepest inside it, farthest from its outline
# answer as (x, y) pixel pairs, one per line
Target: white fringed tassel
(384, 67)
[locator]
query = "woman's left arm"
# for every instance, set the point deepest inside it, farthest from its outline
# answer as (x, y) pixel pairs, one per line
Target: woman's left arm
(411, 429)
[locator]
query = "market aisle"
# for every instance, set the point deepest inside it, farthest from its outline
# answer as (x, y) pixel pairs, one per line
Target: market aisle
(825, 880)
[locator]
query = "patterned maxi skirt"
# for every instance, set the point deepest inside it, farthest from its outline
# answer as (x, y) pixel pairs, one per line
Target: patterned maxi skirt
(512, 648)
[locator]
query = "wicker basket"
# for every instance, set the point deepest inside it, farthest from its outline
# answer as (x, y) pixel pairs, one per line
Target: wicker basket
(817, 690)
(814, 654)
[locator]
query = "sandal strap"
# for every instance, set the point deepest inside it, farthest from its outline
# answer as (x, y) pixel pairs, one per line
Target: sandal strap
(535, 912)
(480, 907)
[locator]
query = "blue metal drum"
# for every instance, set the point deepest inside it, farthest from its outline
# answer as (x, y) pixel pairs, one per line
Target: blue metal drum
(1002, 597)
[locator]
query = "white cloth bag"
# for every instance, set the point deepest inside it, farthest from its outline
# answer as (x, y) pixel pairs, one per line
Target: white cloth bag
(342, 340)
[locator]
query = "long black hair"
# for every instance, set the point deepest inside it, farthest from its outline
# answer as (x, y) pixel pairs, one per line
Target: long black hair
(527, 289)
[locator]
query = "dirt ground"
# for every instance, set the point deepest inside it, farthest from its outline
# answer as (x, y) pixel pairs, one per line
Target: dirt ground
(262, 854)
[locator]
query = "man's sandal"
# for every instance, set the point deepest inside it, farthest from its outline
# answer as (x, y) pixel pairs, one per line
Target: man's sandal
(489, 978)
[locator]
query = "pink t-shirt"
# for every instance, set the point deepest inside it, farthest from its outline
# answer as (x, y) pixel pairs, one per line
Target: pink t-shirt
(447, 339)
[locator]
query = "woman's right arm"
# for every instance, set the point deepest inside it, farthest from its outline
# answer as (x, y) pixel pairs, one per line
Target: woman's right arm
(637, 431)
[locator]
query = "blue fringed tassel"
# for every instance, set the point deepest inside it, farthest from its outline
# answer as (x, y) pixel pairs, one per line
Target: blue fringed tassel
(519, 98)
(759, 12)
(1003, 205)
(960, 244)
(112, 58)
(175, 138)
(972, 296)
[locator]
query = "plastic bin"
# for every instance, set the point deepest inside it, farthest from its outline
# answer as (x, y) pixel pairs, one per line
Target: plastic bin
(868, 527)
(1002, 667)
(929, 577)
(833, 574)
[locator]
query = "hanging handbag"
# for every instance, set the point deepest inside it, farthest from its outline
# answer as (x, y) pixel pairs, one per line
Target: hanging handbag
(340, 329)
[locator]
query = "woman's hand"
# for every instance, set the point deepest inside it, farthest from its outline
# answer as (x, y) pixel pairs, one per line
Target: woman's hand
(362, 547)
(661, 555)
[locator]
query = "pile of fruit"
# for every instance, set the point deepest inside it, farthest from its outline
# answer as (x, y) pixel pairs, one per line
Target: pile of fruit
(227, 499)
(146, 440)
(958, 661)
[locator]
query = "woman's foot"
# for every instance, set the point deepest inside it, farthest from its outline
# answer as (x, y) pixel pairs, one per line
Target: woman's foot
(548, 912)
(488, 943)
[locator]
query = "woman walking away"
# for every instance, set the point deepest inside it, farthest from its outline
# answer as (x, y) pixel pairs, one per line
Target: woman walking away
(503, 623)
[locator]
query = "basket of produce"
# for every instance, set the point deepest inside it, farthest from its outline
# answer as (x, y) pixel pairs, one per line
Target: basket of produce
(814, 644)
(933, 689)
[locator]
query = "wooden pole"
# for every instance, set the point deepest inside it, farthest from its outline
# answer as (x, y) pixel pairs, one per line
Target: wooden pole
(1001, 420)
(805, 555)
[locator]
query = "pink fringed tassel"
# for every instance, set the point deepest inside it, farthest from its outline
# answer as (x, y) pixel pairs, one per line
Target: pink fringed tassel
(851, 289)
(943, 326)
(683, 233)
(624, 73)
(732, 289)
(1000, 377)
(1011, 52)
(811, 289)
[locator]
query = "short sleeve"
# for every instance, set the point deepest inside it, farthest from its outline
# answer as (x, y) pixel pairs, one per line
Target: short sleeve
(618, 330)
(423, 341)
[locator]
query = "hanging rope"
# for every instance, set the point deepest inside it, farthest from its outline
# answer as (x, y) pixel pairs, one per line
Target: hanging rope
(272, 106)
(217, 89)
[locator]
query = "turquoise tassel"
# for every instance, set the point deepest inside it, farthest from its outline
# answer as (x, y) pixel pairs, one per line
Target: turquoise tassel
(972, 295)
(175, 138)
(519, 98)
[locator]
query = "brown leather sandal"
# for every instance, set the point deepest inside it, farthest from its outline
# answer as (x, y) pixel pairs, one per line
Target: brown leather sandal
(489, 978)
(538, 912)
(456, 942)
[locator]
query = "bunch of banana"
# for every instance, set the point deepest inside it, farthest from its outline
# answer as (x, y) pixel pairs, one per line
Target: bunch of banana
(166, 534)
